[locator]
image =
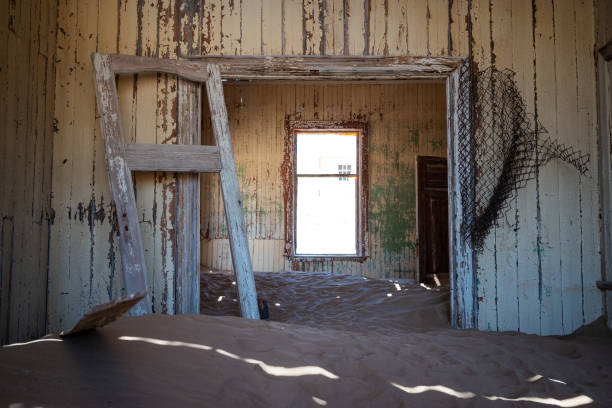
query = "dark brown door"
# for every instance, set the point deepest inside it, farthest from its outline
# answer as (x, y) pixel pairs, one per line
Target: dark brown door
(432, 186)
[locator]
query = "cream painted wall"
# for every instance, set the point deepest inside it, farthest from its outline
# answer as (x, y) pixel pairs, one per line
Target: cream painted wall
(537, 274)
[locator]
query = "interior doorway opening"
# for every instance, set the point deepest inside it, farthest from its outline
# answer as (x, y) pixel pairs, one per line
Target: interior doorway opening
(404, 119)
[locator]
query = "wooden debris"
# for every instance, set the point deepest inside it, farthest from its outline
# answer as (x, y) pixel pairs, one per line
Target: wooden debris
(103, 314)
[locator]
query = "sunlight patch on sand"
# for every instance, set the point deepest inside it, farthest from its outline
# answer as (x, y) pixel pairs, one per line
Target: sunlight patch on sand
(278, 371)
(568, 402)
(159, 342)
(31, 342)
(292, 371)
(440, 388)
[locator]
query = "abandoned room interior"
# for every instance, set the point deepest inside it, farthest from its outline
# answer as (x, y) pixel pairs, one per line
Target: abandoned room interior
(306, 203)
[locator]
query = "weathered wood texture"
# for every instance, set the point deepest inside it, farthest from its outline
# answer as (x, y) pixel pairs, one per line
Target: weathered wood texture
(128, 65)
(404, 120)
(27, 87)
(461, 262)
(101, 315)
(538, 272)
(604, 87)
(179, 158)
(232, 201)
(310, 67)
(120, 180)
(187, 233)
(526, 251)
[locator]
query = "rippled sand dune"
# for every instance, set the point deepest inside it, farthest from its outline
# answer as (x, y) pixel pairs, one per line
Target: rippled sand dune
(330, 341)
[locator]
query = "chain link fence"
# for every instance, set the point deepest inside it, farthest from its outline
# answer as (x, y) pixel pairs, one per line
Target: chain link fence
(501, 147)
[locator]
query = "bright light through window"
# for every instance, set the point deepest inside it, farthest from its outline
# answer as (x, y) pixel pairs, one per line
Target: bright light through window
(326, 200)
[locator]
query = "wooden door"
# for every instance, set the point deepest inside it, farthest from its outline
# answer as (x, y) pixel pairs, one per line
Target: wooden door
(432, 212)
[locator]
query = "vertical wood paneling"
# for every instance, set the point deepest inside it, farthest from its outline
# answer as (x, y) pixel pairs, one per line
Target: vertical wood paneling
(548, 53)
(149, 111)
(27, 83)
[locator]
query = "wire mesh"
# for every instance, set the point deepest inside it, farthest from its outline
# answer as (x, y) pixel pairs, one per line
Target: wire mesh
(500, 149)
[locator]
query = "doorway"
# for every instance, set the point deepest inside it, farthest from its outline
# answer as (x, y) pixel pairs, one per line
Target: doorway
(432, 220)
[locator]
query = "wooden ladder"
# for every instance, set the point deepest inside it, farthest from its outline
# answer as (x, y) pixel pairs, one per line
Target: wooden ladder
(122, 159)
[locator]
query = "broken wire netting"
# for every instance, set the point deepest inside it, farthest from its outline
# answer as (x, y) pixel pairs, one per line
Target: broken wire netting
(500, 147)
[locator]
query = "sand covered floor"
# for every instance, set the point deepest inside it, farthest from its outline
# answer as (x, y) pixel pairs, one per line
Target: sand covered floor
(332, 340)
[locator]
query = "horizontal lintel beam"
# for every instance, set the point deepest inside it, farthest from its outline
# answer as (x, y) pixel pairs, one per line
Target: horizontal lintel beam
(132, 64)
(330, 67)
(173, 157)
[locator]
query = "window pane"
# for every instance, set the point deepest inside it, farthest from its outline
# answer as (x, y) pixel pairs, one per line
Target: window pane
(326, 216)
(326, 153)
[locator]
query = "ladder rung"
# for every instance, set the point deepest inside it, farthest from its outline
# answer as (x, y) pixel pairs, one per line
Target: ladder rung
(173, 157)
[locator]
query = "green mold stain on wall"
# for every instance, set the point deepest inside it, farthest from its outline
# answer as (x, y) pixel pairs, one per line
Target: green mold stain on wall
(393, 210)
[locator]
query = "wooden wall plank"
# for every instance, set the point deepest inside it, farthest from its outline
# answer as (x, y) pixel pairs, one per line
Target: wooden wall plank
(527, 253)
(59, 305)
(314, 16)
(272, 28)
(211, 27)
(293, 33)
(355, 24)
(548, 177)
(417, 28)
(231, 27)
(334, 27)
(377, 28)
(251, 32)
(437, 28)
(486, 265)
(570, 262)
(589, 186)
(81, 285)
(502, 44)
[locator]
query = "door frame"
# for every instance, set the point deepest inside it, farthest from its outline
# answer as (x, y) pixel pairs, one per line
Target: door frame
(347, 69)
(604, 79)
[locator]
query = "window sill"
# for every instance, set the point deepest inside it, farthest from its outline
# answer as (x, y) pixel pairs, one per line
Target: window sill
(326, 258)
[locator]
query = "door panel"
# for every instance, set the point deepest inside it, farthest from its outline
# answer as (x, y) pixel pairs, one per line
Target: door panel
(432, 219)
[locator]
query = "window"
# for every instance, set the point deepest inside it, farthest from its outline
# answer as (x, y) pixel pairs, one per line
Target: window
(326, 190)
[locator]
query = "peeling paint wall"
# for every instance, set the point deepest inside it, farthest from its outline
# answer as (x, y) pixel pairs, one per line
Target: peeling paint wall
(85, 264)
(538, 272)
(27, 86)
(404, 120)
